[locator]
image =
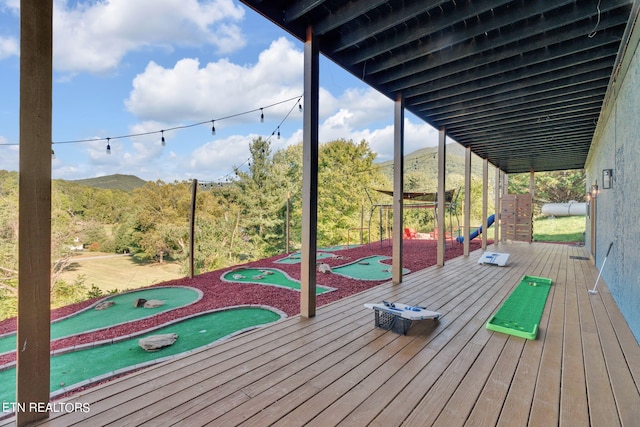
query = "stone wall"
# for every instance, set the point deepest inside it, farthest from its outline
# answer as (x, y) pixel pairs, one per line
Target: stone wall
(617, 147)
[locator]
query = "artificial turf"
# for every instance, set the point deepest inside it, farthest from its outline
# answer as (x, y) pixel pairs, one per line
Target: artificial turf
(520, 313)
(81, 366)
(121, 312)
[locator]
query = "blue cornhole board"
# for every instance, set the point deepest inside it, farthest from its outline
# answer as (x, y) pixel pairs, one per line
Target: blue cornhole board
(494, 258)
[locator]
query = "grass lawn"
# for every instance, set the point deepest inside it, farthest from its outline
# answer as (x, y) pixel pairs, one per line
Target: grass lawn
(110, 271)
(559, 229)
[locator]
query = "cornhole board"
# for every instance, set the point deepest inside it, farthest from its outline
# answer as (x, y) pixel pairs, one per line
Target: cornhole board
(397, 317)
(494, 258)
(521, 312)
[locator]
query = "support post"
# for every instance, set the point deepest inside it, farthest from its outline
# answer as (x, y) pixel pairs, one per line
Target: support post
(287, 224)
(442, 156)
(467, 202)
(485, 202)
(497, 208)
(505, 183)
(398, 189)
(309, 176)
(532, 183)
(34, 242)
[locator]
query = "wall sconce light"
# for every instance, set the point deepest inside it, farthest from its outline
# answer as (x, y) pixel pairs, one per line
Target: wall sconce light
(594, 191)
(607, 178)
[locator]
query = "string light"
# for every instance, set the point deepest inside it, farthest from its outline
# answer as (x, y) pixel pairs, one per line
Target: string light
(229, 176)
(261, 109)
(53, 154)
(163, 140)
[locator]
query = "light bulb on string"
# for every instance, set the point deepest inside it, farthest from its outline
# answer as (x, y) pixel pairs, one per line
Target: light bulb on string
(53, 154)
(299, 107)
(278, 133)
(213, 127)
(261, 116)
(108, 146)
(164, 142)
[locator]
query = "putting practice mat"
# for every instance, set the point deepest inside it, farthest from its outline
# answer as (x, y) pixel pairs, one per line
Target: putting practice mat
(520, 314)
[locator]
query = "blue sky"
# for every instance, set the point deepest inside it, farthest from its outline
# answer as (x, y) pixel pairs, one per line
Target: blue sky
(125, 67)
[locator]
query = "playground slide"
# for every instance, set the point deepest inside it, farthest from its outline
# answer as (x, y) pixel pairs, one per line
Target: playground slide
(476, 232)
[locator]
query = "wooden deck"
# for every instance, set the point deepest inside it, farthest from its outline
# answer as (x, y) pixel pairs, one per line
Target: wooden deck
(338, 369)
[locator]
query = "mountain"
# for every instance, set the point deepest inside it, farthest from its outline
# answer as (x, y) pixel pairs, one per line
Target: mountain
(425, 161)
(113, 182)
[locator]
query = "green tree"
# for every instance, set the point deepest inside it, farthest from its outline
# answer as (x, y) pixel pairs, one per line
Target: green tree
(161, 220)
(262, 198)
(8, 243)
(552, 187)
(346, 174)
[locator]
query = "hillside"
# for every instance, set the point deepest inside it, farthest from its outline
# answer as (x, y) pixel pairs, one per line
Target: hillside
(113, 182)
(425, 161)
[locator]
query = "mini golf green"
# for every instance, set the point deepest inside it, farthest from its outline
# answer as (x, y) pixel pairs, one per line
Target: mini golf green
(369, 268)
(295, 258)
(81, 366)
(121, 312)
(520, 313)
(267, 276)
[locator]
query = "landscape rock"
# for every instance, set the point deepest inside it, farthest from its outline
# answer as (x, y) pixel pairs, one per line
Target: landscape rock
(156, 342)
(104, 305)
(139, 302)
(153, 303)
(324, 268)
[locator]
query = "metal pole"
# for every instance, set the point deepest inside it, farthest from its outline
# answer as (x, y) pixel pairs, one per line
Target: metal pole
(192, 226)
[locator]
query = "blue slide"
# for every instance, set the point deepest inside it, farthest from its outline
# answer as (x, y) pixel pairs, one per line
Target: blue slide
(476, 233)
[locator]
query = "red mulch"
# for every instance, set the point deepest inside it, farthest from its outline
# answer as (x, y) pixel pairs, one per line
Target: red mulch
(417, 255)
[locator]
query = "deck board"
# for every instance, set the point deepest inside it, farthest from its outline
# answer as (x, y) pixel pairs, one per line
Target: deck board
(573, 400)
(338, 369)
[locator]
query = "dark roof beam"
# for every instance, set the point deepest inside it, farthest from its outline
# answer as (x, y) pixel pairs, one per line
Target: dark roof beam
(345, 14)
(536, 79)
(538, 132)
(300, 8)
(504, 121)
(476, 38)
(539, 63)
(410, 10)
(516, 156)
(577, 129)
(538, 86)
(458, 60)
(456, 113)
(438, 32)
(491, 118)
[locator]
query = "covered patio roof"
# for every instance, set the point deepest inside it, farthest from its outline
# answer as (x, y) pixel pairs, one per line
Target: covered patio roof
(521, 83)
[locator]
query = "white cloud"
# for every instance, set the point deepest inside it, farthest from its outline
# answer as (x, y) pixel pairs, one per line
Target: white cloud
(8, 47)
(13, 5)
(363, 113)
(8, 156)
(189, 92)
(95, 36)
(220, 156)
